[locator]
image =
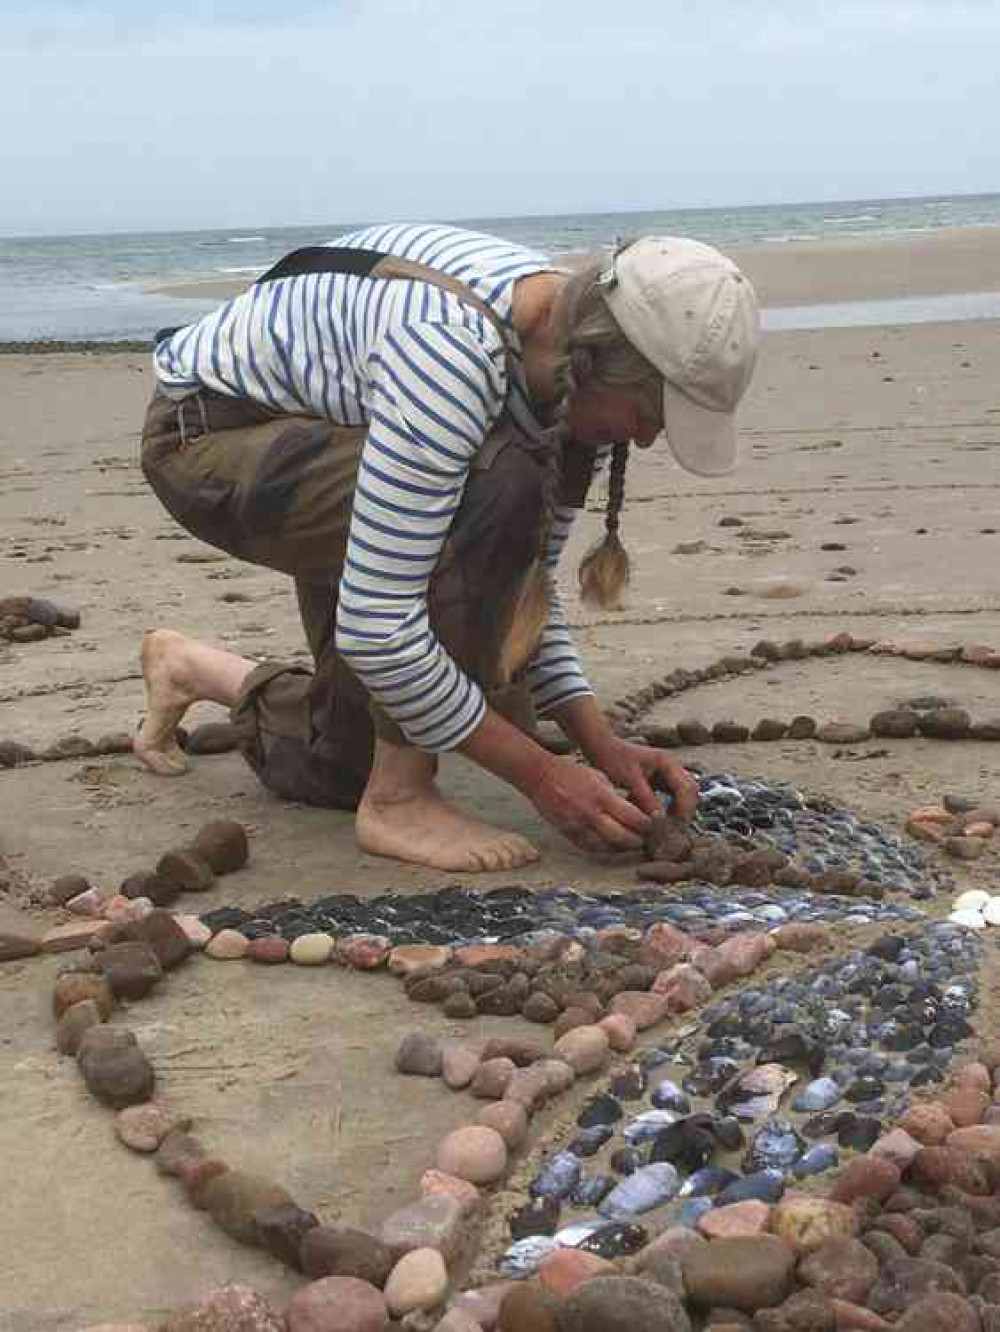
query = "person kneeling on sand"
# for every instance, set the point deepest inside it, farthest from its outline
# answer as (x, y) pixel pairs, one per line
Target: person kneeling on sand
(405, 421)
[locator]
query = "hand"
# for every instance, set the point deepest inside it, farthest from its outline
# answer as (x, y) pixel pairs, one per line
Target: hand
(582, 803)
(631, 766)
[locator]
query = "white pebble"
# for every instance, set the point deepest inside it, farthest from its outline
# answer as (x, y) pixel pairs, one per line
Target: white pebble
(972, 920)
(991, 911)
(972, 900)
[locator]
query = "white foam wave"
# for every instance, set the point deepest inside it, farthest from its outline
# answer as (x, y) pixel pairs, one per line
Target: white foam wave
(243, 268)
(243, 240)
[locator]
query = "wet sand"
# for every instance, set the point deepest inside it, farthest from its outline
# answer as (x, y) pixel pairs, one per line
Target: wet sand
(814, 272)
(882, 440)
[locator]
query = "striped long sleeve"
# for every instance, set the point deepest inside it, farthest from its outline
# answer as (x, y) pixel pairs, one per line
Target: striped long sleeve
(435, 393)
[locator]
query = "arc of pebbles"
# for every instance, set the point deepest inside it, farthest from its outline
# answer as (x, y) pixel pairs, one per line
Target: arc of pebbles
(627, 711)
(417, 1245)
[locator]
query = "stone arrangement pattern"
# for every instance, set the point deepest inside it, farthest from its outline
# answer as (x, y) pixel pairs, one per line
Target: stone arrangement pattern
(904, 1236)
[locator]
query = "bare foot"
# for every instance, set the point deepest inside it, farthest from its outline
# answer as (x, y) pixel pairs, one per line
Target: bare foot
(168, 697)
(426, 829)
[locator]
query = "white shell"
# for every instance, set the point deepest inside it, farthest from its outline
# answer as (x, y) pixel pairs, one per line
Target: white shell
(972, 900)
(972, 920)
(991, 911)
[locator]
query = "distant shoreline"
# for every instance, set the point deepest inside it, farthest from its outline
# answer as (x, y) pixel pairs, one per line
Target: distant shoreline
(888, 266)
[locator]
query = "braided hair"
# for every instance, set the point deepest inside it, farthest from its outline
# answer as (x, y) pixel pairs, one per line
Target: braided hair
(594, 351)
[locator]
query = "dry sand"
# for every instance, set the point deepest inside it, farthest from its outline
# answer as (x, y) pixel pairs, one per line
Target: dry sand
(897, 430)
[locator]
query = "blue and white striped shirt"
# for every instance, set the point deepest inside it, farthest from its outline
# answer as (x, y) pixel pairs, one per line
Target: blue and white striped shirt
(428, 376)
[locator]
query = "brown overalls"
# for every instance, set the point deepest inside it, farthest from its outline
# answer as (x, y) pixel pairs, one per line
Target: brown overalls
(278, 490)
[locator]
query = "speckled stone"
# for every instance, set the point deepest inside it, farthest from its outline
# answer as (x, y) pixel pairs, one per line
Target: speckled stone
(435, 1222)
(337, 1304)
(585, 1050)
(75, 987)
(805, 1224)
(144, 1127)
(465, 1194)
(231, 1309)
(509, 1119)
(74, 1022)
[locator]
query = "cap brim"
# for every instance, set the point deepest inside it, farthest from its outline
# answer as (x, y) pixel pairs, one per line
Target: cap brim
(703, 441)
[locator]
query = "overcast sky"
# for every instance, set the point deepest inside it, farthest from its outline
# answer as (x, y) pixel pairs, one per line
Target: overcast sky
(122, 116)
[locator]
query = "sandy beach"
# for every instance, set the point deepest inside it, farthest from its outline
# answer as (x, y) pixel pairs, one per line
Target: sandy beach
(882, 442)
(952, 261)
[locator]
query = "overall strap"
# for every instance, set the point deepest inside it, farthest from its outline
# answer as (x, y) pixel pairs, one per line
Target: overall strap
(377, 264)
(577, 464)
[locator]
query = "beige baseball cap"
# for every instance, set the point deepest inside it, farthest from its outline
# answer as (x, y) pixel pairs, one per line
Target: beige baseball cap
(693, 315)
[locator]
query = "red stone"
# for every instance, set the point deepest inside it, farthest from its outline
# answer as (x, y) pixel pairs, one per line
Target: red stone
(865, 1177)
(561, 1272)
(664, 945)
(366, 952)
(271, 949)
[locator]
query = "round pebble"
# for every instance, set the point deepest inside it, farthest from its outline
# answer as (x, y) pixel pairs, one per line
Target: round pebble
(476, 1153)
(418, 1281)
(311, 950)
(228, 946)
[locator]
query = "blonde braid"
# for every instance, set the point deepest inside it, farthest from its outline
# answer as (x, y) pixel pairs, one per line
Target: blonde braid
(594, 351)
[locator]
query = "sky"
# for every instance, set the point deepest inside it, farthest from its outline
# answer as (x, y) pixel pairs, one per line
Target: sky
(120, 116)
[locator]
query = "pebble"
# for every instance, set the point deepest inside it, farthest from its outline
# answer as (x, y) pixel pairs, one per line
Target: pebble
(418, 1281)
(186, 870)
(75, 1021)
(509, 1119)
(476, 1153)
(76, 987)
(465, 1194)
(15, 947)
(566, 1269)
(805, 1224)
(420, 1054)
(280, 1231)
(492, 1078)
(269, 949)
(929, 1123)
(337, 1304)
(458, 1064)
(197, 934)
(68, 938)
(423, 959)
(232, 1308)
(865, 1177)
(620, 1031)
(435, 1222)
(586, 1049)
(132, 969)
(144, 1127)
(940, 1310)
(745, 1218)
(311, 950)
(228, 946)
(223, 845)
(842, 1268)
(232, 1198)
(622, 1304)
(743, 1273)
(326, 1251)
(364, 952)
(981, 1141)
(117, 1077)
(457, 1320)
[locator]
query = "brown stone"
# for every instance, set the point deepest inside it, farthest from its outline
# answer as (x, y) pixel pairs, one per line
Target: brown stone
(841, 1268)
(929, 1123)
(540, 1007)
(492, 1079)
(185, 869)
(132, 969)
(74, 1023)
(75, 987)
(475, 1153)
(65, 888)
(68, 938)
(937, 1166)
(117, 1077)
(801, 937)
(419, 959)
(509, 1119)
(223, 845)
(807, 1223)
(326, 1251)
(939, 1311)
(965, 1105)
(981, 1141)
(645, 1010)
(743, 1273)
(280, 1231)
(865, 1177)
(232, 1200)
(436, 1222)
(842, 733)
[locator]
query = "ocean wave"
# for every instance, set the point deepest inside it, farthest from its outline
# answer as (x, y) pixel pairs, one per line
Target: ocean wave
(853, 217)
(242, 268)
(243, 240)
(787, 238)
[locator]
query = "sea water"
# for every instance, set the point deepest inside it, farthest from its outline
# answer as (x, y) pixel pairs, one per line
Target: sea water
(99, 287)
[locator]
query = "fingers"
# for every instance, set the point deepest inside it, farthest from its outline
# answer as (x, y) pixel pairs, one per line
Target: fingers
(681, 785)
(624, 812)
(642, 793)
